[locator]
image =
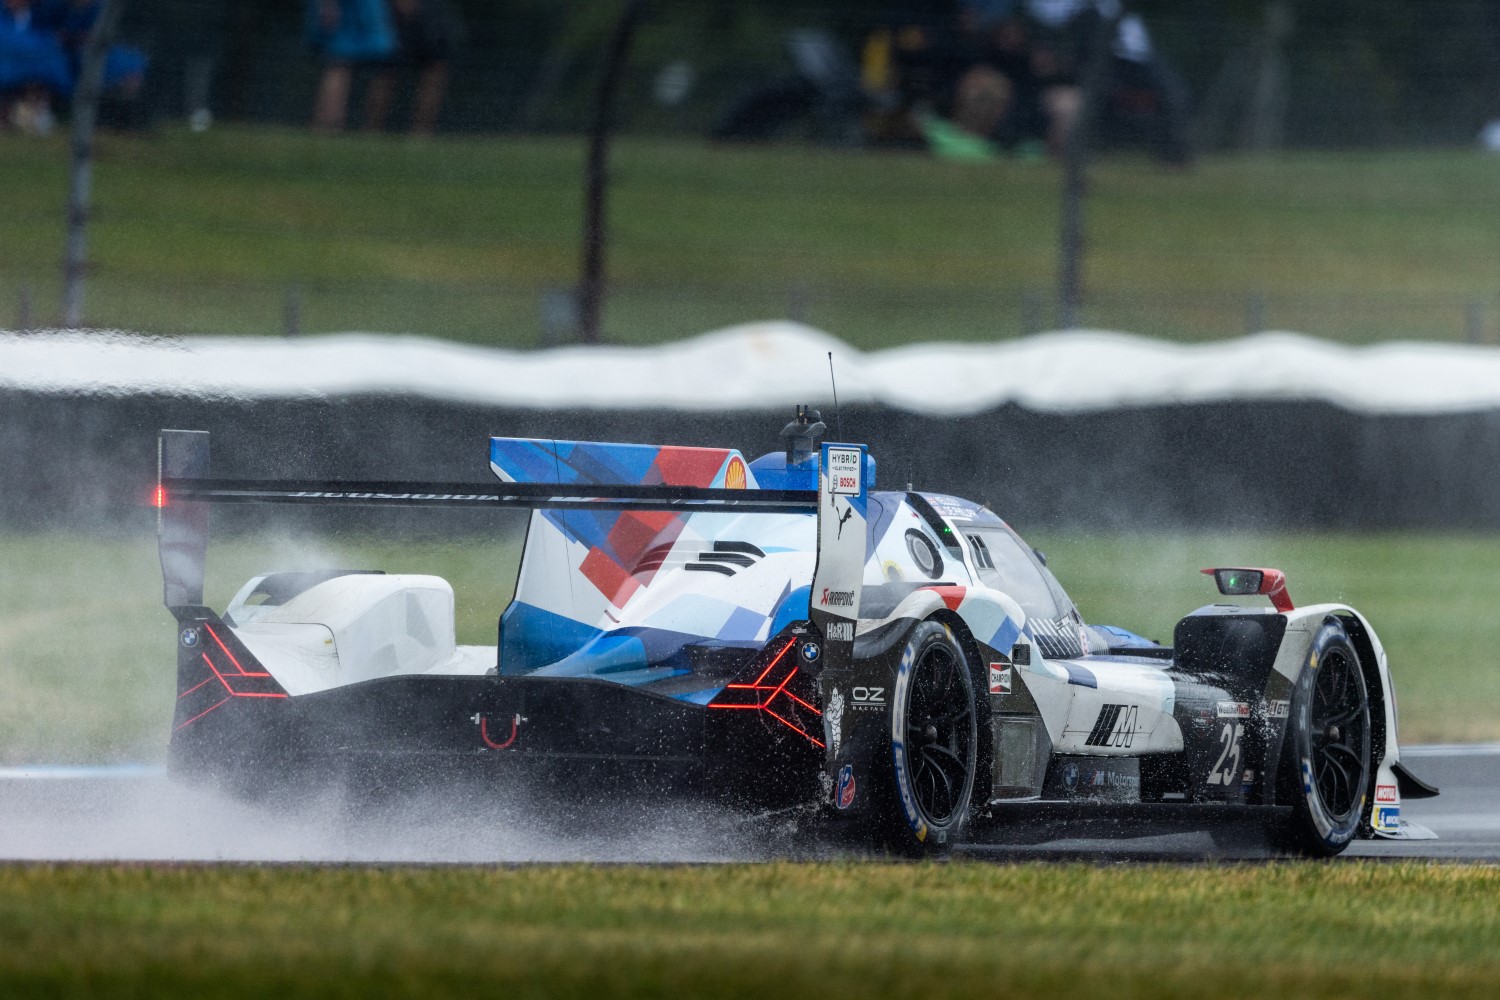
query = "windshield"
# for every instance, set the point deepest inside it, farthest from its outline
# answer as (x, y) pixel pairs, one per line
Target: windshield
(1003, 562)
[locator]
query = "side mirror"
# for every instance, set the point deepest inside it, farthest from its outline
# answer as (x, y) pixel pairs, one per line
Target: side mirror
(1241, 582)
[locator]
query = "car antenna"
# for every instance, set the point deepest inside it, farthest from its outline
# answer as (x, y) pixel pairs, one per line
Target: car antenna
(838, 425)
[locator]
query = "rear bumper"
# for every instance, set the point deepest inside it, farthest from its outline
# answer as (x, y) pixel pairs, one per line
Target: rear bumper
(566, 732)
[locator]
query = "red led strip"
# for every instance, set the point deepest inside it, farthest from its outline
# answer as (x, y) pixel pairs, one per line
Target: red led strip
(216, 674)
(203, 713)
(242, 670)
(776, 691)
(195, 687)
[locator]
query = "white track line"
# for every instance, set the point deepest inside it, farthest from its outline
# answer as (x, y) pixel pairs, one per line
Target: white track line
(63, 772)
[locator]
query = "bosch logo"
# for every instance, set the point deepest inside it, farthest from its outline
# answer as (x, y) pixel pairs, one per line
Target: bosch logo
(189, 637)
(837, 598)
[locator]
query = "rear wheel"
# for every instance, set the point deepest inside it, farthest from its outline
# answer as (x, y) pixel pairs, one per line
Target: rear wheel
(1326, 761)
(934, 742)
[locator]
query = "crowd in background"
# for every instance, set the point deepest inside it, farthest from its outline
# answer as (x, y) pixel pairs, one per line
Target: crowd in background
(971, 78)
(1012, 71)
(41, 55)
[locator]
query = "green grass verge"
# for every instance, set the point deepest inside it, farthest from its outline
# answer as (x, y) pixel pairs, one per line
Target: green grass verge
(457, 238)
(86, 650)
(782, 930)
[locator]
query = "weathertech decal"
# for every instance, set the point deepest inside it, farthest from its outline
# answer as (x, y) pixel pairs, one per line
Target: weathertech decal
(1233, 710)
(1115, 727)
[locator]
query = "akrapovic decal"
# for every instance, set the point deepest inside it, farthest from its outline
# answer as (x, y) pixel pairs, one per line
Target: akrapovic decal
(396, 496)
(837, 598)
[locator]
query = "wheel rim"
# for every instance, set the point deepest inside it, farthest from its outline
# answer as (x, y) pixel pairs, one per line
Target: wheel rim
(940, 735)
(1340, 730)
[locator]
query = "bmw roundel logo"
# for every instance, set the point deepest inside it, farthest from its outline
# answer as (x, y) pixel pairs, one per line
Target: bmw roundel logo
(811, 651)
(1070, 775)
(189, 637)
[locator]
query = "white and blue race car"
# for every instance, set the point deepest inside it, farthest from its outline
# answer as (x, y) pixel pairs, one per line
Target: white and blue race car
(776, 631)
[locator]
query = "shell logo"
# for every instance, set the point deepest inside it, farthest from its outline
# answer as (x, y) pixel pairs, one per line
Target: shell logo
(734, 476)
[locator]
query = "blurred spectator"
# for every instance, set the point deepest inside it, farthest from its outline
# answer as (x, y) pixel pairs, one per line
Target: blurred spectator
(34, 71)
(997, 96)
(1062, 31)
(71, 21)
(345, 33)
(427, 32)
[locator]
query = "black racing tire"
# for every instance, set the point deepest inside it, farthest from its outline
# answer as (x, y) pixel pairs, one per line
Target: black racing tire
(1326, 760)
(935, 744)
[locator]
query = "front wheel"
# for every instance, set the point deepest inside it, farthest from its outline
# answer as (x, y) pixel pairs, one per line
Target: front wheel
(934, 742)
(1326, 760)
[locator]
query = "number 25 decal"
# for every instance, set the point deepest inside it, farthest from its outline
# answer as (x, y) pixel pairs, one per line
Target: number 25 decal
(1227, 768)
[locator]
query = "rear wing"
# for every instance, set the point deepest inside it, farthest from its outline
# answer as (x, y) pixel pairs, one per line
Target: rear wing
(185, 489)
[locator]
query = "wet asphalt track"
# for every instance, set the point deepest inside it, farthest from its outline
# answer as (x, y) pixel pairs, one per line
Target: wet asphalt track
(136, 814)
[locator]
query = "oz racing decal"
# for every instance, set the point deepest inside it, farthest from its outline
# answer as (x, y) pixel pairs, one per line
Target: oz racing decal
(868, 697)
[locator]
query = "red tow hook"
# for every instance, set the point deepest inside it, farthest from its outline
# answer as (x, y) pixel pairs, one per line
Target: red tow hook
(484, 731)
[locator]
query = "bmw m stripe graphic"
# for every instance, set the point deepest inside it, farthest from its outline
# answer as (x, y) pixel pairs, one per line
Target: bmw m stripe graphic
(1115, 727)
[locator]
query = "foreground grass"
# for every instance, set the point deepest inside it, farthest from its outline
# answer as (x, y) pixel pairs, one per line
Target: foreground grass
(87, 654)
(207, 233)
(786, 930)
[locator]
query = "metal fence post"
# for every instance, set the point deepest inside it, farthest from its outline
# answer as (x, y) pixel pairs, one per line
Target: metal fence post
(1255, 312)
(23, 310)
(291, 312)
(1474, 323)
(796, 303)
(1031, 312)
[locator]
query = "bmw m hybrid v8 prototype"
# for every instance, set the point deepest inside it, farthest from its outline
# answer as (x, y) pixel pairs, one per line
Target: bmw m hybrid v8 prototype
(776, 631)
